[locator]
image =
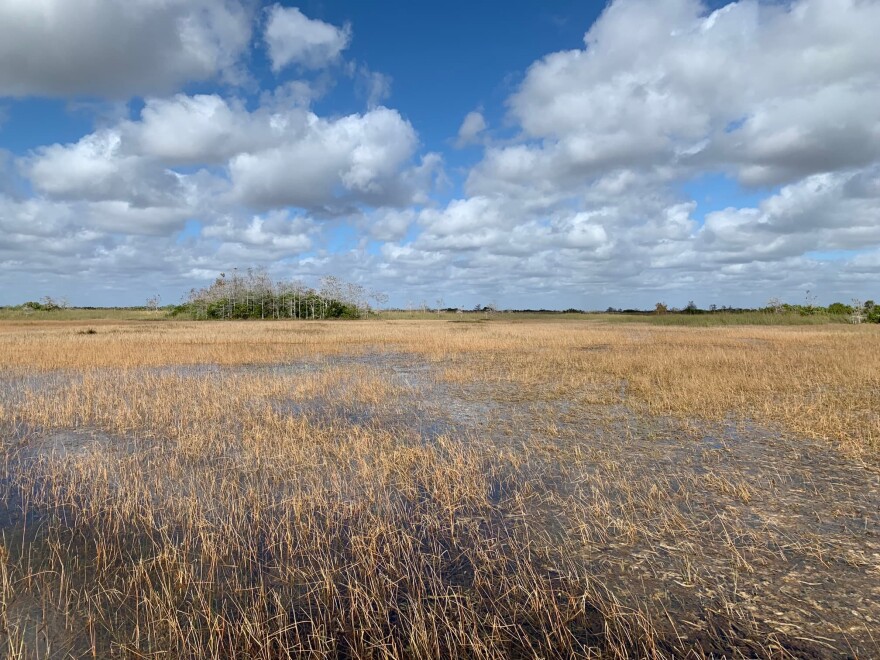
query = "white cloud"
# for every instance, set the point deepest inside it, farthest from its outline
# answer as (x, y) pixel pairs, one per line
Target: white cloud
(74, 248)
(96, 168)
(471, 129)
(293, 38)
(322, 162)
(275, 156)
(501, 227)
(121, 217)
(769, 91)
(374, 86)
(200, 129)
(389, 224)
(274, 235)
(822, 212)
(117, 48)
(584, 203)
(662, 93)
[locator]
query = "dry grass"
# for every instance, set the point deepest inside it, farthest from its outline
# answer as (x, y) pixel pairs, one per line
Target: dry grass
(821, 383)
(431, 489)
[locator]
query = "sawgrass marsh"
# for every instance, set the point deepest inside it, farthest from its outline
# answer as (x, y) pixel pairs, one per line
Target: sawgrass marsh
(434, 488)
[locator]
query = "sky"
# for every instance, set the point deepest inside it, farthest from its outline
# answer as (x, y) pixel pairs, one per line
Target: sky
(530, 154)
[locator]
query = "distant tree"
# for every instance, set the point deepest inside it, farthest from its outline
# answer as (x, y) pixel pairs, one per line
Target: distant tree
(857, 314)
(381, 299)
(660, 308)
(840, 308)
(256, 295)
(331, 289)
(809, 303)
(775, 305)
(355, 295)
(49, 304)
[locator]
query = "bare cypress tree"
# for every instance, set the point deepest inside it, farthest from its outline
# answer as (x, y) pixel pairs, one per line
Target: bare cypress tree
(331, 289)
(355, 295)
(380, 298)
(257, 295)
(858, 312)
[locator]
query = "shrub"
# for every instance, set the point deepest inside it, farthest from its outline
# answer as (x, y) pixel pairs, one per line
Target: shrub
(839, 308)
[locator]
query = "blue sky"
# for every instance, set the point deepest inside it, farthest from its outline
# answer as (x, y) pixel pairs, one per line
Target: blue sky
(553, 154)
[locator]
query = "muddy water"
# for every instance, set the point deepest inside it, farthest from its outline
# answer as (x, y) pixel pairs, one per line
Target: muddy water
(723, 534)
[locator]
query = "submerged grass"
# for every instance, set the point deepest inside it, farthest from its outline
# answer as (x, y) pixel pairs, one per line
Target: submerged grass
(423, 489)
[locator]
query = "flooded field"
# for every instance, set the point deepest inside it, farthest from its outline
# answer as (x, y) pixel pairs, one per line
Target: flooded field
(419, 489)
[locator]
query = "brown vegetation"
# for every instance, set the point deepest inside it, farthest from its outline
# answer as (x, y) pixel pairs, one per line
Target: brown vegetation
(438, 489)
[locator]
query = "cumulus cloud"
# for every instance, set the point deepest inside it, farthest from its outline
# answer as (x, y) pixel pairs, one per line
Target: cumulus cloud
(330, 162)
(58, 248)
(122, 217)
(96, 168)
(780, 96)
(68, 248)
(294, 39)
(117, 48)
(273, 156)
(471, 128)
(276, 234)
(187, 130)
(584, 203)
(832, 211)
(771, 92)
(389, 224)
(499, 226)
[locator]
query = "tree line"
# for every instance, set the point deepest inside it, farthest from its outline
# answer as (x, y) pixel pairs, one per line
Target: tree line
(857, 311)
(255, 295)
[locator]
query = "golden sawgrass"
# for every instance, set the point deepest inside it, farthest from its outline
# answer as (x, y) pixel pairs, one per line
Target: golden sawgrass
(267, 489)
(817, 382)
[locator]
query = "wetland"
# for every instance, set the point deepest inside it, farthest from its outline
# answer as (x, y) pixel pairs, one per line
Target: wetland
(436, 489)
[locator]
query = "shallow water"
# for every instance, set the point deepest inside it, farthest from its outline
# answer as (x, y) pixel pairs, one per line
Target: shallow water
(690, 521)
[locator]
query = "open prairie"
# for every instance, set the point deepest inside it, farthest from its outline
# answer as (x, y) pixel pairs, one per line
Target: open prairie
(460, 488)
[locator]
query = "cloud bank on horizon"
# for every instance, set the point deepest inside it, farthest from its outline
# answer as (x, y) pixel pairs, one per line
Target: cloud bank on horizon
(727, 155)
